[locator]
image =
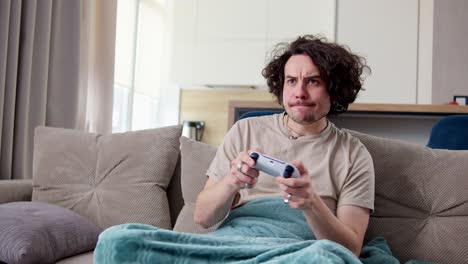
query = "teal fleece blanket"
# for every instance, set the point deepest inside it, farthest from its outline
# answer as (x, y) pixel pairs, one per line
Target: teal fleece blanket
(261, 231)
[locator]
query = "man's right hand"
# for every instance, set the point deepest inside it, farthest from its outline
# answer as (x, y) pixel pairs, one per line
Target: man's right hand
(242, 174)
(217, 198)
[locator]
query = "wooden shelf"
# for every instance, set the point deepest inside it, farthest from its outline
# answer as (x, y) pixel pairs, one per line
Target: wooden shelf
(384, 109)
(410, 108)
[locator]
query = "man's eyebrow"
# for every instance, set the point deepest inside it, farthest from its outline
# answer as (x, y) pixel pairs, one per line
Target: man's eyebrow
(314, 76)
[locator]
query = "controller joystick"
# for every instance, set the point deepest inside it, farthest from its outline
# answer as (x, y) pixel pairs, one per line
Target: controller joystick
(254, 156)
(288, 171)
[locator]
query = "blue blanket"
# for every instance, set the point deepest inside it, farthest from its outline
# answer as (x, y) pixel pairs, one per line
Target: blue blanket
(262, 231)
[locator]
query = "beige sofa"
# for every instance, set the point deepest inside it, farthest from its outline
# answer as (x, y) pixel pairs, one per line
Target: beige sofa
(421, 204)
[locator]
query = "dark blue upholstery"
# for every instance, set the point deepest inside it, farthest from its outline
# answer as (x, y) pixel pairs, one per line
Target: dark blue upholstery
(260, 113)
(450, 132)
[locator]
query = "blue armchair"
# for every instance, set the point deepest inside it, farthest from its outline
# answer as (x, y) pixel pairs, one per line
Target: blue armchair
(450, 132)
(260, 113)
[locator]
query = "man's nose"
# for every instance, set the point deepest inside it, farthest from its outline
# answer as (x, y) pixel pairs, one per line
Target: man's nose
(301, 90)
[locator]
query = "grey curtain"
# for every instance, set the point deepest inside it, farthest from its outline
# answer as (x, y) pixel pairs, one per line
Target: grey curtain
(43, 79)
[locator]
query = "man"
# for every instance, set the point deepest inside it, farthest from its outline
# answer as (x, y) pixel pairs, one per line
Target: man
(311, 79)
(325, 211)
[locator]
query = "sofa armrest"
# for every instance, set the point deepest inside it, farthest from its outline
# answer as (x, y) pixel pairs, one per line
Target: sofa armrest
(15, 190)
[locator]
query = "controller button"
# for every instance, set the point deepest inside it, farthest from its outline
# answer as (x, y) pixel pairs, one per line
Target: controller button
(254, 156)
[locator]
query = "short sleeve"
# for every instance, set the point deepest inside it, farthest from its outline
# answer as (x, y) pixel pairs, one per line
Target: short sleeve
(359, 186)
(226, 152)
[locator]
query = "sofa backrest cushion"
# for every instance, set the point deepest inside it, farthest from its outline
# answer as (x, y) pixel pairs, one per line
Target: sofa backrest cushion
(109, 179)
(174, 193)
(420, 205)
(421, 200)
(196, 158)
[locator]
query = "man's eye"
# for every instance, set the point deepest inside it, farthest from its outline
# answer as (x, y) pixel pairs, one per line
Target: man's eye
(313, 81)
(291, 81)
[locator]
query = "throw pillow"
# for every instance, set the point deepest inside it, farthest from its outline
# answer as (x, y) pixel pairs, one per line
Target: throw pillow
(109, 179)
(32, 232)
(420, 200)
(196, 158)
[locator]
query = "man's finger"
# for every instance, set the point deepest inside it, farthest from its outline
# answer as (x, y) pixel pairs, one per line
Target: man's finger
(302, 170)
(293, 182)
(245, 157)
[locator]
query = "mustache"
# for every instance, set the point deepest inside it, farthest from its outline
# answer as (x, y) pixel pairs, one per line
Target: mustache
(302, 103)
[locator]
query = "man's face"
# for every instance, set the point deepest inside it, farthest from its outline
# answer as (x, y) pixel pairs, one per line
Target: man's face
(305, 96)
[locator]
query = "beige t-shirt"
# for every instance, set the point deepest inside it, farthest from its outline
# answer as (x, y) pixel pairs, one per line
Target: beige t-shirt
(339, 165)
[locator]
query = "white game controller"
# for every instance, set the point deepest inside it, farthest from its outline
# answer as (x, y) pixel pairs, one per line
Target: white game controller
(273, 166)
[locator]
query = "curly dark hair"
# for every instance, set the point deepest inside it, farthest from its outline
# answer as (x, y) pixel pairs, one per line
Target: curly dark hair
(339, 68)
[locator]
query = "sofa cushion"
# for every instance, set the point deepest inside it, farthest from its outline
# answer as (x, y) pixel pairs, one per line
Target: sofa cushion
(15, 190)
(32, 232)
(85, 258)
(174, 193)
(110, 179)
(196, 158)
(421, 201)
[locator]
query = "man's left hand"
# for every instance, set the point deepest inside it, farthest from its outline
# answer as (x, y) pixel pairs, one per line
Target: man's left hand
(302, 193)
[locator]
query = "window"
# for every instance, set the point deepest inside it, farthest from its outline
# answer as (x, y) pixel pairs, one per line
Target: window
(142, 36)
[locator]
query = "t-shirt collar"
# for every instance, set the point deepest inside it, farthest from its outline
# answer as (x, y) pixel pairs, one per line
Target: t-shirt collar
(284, 129)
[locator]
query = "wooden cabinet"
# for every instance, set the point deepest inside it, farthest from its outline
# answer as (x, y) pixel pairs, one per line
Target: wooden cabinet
(231, 20)
(385, 32)
(183, 48)
(229, 62)
(407, 122)
(289, 19)
(225, 43)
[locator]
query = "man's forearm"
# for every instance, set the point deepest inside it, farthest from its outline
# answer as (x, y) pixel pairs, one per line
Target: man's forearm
(214, 203)
(325, 225)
